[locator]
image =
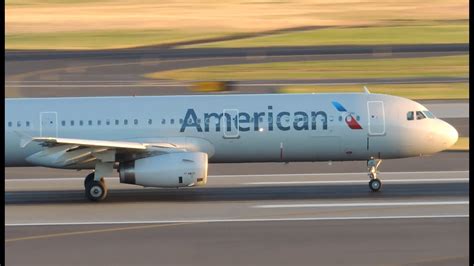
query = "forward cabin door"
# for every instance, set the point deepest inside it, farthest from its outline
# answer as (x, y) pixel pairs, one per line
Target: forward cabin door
(49, 124)
(376, 118)
(376, 128)
(230, 123)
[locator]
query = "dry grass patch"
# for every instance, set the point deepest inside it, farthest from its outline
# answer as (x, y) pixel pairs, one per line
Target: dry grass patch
(34, 16)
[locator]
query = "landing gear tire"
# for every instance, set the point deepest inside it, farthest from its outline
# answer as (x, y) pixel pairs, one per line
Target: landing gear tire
(375, 185)
(89, 179)
(96, 190)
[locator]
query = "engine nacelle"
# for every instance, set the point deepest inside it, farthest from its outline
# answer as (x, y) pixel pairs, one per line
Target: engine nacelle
(167, 170)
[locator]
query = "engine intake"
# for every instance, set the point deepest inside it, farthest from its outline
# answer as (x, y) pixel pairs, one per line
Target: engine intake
(167, 170)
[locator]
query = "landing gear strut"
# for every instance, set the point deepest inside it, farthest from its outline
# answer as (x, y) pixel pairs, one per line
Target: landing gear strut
(375, 184)
(95, 190)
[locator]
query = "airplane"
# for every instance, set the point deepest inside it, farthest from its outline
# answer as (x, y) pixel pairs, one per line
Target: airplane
(168, 141)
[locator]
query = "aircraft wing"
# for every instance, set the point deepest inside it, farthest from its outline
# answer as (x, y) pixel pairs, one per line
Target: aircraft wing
(66, 152)
(48, 141)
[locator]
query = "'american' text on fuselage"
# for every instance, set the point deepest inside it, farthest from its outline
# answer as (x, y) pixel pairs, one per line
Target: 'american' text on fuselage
(243, 120)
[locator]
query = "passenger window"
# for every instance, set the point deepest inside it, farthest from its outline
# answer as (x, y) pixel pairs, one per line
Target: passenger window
(135, 121)
(18, 124)
(99, 122)
(125, 122)
(163, 121)
(107, 122)
(116, 122)
(81, 123)
(63, 123)
(27, 123)
(72, 122)
(150, 121)
(358, 118)
(419, 115)
(199, 121)
(10, 124)
(172, 121)
(181, 121)
(410, 115)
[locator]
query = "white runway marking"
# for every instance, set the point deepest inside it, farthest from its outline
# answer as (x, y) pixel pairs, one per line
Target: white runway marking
(244, 220)
(287, 175)
(364, 204)
(416, 180)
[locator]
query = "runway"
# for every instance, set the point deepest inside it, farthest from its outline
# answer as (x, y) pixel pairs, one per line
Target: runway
(248, 214)
(167, 51)
(121, 72)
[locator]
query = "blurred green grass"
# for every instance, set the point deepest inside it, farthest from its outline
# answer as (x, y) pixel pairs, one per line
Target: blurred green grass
(418, 34)
(111, 39)
(428, 91)
(441, 66)
(446, 32)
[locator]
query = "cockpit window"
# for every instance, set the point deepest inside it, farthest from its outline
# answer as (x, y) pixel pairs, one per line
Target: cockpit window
(420, 115)
(410, 115)
(429, 114)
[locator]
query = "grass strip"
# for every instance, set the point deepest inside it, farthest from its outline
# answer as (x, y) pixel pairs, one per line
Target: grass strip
(418, 34)
(441, 66)
(427, 91)
(108, 39)
(461, 145)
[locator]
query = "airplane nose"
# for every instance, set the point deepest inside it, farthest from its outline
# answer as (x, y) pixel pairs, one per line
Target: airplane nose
(450, 135)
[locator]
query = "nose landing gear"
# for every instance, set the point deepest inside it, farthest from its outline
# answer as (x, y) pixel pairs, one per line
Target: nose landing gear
(375, 184)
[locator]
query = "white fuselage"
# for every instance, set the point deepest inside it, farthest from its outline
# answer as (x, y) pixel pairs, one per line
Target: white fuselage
(235, 128)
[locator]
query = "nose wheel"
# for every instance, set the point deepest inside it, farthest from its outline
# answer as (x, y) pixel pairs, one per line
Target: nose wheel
(374, 184)
(95, 190)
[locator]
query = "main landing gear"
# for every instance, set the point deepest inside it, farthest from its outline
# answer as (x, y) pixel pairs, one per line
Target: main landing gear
(375, 184)
(95, 190)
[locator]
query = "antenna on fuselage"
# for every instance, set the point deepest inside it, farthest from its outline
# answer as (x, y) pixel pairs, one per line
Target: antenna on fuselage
(366, 90)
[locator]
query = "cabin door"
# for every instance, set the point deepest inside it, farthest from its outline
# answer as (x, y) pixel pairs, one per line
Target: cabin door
(230, 123)
(49, 124)
(376, 120)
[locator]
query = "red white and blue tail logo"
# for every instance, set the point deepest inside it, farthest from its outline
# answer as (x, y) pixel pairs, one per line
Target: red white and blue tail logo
(350, 120)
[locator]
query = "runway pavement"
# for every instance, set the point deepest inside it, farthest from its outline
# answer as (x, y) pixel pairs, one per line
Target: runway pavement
(248, 214)
(171, 52)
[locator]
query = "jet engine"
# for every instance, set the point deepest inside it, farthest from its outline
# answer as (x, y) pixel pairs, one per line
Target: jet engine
(168, 170)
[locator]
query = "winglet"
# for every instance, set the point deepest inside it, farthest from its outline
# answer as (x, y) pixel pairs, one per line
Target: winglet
(25, 139)
(366, 90)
